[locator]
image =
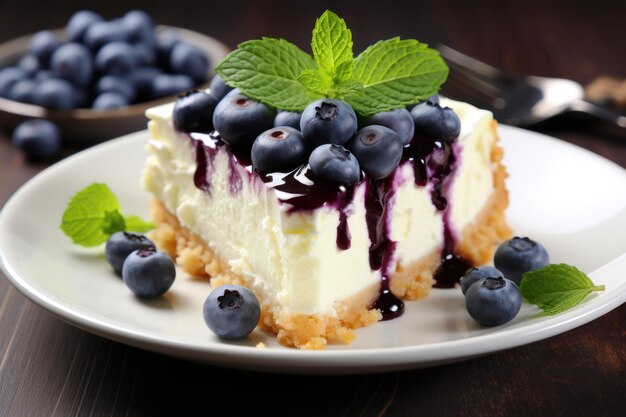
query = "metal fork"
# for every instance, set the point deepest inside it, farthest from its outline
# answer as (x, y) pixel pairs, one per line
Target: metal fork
(519, 101)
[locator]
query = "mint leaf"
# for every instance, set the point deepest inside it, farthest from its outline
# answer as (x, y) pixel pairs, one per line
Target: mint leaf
(556, 288)
(94, 213)
(331, 43)
(267, 70)
(344, 71)
(315, 82)
(396, 73)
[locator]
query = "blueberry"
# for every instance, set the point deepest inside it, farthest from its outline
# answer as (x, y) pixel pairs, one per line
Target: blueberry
(378, 150)
(56, 94)
(328, 121)
(219, 88)
(166, 41)
(121, 244)
(43, 44)
(142, 81)
(110, 100)
(79, 23)
(476, 274)
(164, 85)
(116, 84)
(231, 311)
(193, 111)
(280, 148)
(189, 60)
(288, 118)
(400, 121)
(30, 64)
(519, 255)
(73, 62)
(148, 273)
(239, 119)
(335, 163)
(102, 33)
(493, 301)
(140, 26)
(435, 122)
(116, 58)
(9, 77)
(433, 99)
(145, 54)
(23, 91)
(38, 139)
(43, 75)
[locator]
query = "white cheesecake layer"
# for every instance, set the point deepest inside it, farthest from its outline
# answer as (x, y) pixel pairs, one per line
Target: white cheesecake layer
(293, 257)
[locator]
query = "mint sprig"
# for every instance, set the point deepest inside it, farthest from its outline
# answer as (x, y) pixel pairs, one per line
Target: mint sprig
(388, 75)
(557, 287)
(94, 213)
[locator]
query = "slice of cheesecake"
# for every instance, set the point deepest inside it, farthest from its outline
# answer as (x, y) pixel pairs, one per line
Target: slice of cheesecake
(323, 260)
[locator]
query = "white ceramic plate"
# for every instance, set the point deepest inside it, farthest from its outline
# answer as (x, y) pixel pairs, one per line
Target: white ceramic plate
(570, 199)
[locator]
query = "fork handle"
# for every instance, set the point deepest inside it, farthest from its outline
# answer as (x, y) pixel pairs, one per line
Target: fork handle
(600, 112)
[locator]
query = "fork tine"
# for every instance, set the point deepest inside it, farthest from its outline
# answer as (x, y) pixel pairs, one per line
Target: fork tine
(479, 83)
(478, 68)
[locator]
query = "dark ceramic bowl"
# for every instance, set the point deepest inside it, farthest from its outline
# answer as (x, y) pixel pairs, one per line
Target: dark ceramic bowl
(86, 126)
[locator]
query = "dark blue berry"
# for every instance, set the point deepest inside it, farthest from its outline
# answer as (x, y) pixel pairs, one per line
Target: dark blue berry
(288, 118)
(400, 121)
(38, 139)
(166, 41)
(121, 244)
(378, 150)
(519, 255)
(335, 163)
(116, 58)
(145, 54)
(110, 100)
(328, 121)
(189, 60)
(193, 111)
(475, 274)
(435, 122)
(73, 62)
(79, 23)
(164, 85)
(140, 26)
(116, 84)
(142, 79)
(30, 64)
(280, 148)
(23, 91)
(43, 75)
(231, 312)
(219, 88)
(43, 44)
(56, 94)
(103, 33)
(148, 273)
(493, 301)
(239, 119)
(9, 77)
(433, 99)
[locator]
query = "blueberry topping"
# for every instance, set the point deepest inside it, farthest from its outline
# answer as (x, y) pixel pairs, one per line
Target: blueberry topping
(335, 163)
(239, 119)
(400, 121)
(164, 85)
(219, 88)
(9, 77)
(56, 94)
(121, 244)
(378, 150)
(116, 58)
(189, 60)
(38, 139)
(288, 118)
(43, 44)
(435, 122)
(73, 62)
(79, 23)
(193, 111)
(279, 148)
(110, 100)
(116, 84)
(148, 273)
(328, 121)
(519, 255)
(476, 274)
(231, 312)
(493, 301)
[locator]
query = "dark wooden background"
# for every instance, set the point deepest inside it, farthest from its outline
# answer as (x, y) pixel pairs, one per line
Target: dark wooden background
(49, 368)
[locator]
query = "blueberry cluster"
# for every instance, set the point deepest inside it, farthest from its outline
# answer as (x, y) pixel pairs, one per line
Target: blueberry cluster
(328, 135)
(492, 296)
(104, 64)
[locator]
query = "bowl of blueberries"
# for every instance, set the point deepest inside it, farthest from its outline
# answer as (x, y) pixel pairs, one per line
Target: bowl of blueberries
(94, 79)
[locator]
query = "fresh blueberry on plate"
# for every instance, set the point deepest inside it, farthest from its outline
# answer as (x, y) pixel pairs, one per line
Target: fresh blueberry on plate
(476, 274)
(231, 312)
(121, 244)
(148, 273)
(519, 255)
(493, 301)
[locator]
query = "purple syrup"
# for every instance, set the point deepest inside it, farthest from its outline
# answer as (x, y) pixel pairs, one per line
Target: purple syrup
(389, 305)
(452, 266)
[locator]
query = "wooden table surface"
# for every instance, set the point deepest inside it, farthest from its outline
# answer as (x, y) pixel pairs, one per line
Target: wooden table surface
(49, 368)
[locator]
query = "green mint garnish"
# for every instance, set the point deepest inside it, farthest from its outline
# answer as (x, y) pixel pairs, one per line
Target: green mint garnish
(94, 213)
(556, 288)
(388, 75)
